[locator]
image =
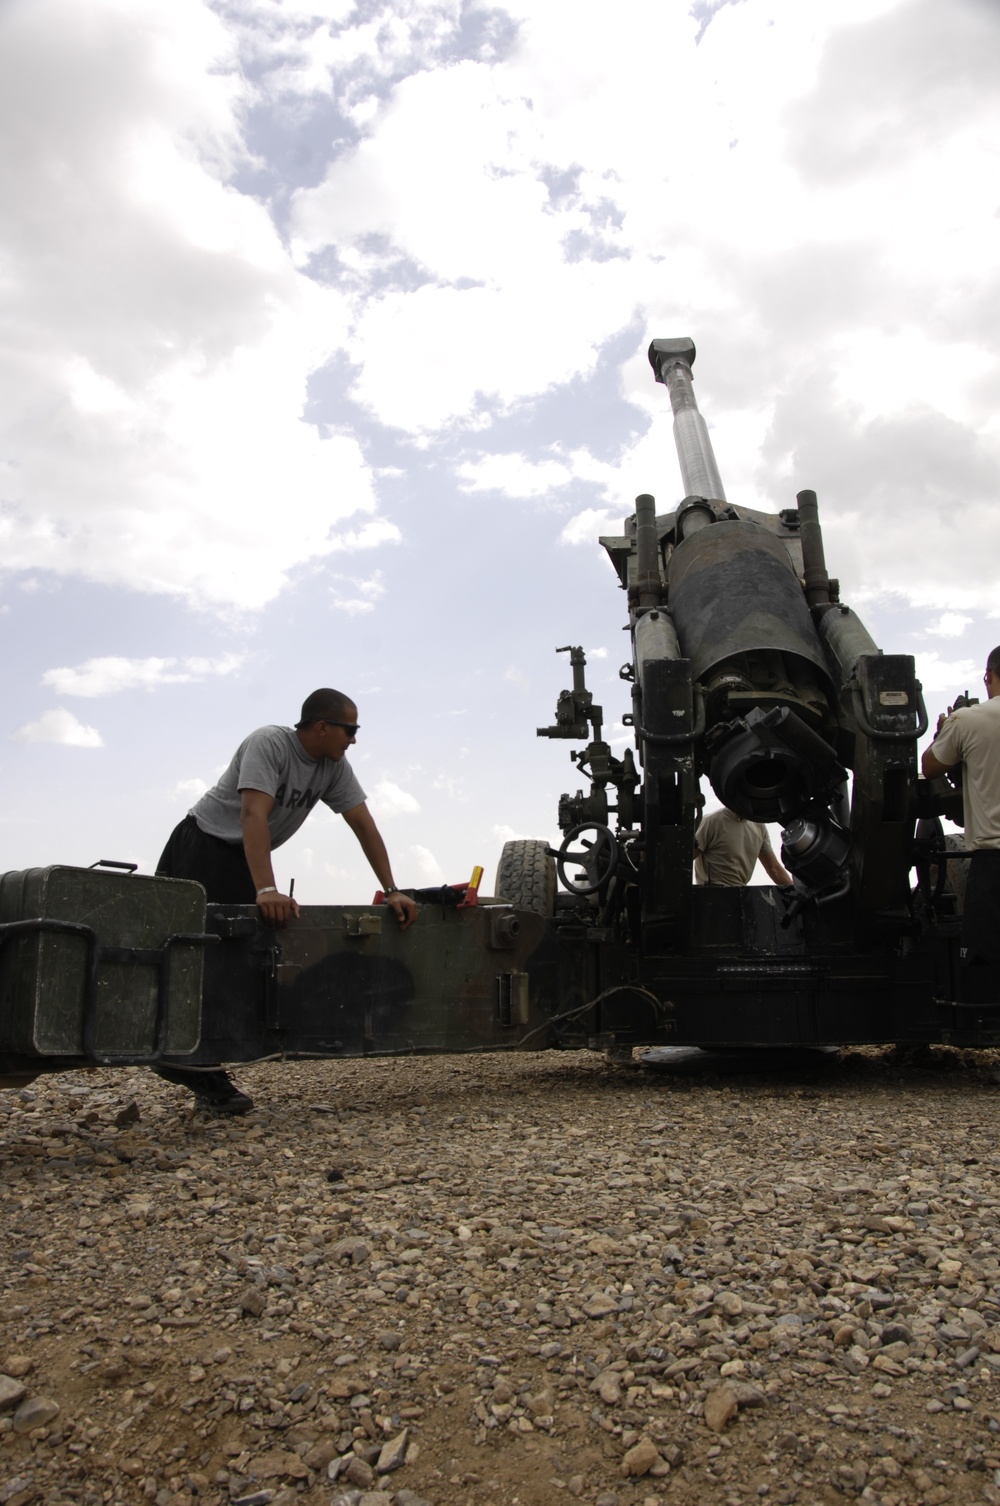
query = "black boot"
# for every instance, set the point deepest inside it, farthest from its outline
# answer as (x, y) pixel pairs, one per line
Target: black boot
(214, 1088)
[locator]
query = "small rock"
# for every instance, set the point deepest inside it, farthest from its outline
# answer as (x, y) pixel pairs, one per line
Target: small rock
(375, 1498)
(253, 1302)
(600, 1306)
(409, 1498)
(321, 1454)
(640, 1459)
(720, 1406)
(280, 1464)
(747, 1394)
(128, 1115)
(543, 1404)
(392, 1454)
(608, 1386)
(258, 1498)
(575, 1485)
(390, 1340)
(11, 1392)
(17, 1365)
(35, 1413)
(359, 1473)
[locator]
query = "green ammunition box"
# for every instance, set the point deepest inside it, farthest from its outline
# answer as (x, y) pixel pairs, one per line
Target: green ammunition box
(126, 990)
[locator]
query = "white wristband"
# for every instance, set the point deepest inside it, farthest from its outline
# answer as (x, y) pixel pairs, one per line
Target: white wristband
(269, 890)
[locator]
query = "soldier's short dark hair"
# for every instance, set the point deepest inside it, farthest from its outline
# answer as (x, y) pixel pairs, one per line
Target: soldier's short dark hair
(993, 662)
(324, 705)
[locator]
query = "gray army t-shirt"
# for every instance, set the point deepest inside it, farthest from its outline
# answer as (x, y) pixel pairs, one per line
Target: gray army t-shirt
(273, 760)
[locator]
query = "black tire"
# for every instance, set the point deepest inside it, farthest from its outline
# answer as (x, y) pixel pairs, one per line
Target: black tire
(526, 877)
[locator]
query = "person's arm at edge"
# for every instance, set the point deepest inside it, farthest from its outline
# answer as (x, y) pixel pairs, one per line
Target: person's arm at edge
(362, 823)
(775, 870)
(931, 766)
(255, 807)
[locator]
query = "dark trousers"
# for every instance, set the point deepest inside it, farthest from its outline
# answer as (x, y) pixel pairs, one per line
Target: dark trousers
(221, 866)
(981, 911)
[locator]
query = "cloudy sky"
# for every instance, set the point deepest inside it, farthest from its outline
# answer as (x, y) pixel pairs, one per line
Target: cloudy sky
(324, 363)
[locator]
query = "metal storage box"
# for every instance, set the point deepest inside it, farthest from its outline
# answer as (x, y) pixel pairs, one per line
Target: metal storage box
(123, 980)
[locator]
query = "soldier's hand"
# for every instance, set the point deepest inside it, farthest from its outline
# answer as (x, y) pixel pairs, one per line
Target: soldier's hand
(403, 907)
(277, 909)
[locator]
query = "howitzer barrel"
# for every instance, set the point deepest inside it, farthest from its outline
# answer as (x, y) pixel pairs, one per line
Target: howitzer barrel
(671, 361)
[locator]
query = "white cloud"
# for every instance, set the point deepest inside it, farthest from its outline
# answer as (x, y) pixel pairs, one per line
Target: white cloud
(355, 596)
(59, 726)
(426, 864)
(368, 536)
(588, 525)
(455, 789)
(562, 212)
(504, 834)
(190, 789)
(935, 673)
(108, 676)
(514, 475)
(159, 339)
(949, 625)
(388, 799)
(498, 220)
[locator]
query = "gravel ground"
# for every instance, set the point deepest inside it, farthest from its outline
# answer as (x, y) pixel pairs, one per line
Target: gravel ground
(509, 1280)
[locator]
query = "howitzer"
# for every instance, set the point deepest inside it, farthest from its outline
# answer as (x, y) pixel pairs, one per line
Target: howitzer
(747, 669)
(747, 672)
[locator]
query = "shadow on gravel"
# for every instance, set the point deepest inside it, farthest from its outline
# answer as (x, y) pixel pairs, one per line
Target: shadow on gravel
(829, 1065)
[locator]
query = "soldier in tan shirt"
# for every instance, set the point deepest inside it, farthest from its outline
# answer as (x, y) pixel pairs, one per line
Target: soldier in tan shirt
(971, 737)
(726, 850)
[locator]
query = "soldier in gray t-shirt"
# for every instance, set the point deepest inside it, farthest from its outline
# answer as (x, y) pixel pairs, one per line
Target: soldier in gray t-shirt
(273, 760)
(225, 841)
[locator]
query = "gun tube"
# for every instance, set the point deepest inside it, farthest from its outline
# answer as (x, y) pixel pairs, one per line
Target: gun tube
(671, 361)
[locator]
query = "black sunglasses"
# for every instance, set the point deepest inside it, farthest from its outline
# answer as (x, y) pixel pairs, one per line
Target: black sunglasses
(351, 728)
